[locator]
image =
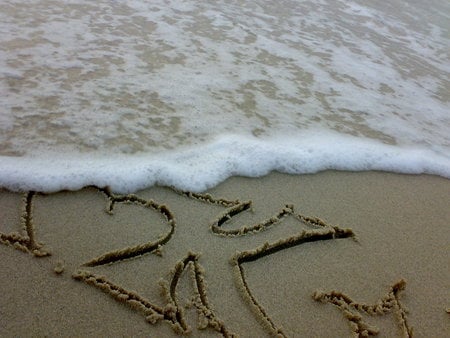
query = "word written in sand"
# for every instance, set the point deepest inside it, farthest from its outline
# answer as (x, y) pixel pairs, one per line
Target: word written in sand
(172, 312)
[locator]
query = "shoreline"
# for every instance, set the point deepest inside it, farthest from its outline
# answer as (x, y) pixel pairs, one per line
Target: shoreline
(369, 237)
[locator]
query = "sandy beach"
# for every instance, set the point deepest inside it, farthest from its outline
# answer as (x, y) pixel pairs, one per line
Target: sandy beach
(333, 254)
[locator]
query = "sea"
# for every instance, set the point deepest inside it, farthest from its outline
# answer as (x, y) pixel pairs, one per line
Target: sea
(186, 93)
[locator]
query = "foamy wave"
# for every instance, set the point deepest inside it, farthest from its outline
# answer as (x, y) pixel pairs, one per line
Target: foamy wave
(200, 168)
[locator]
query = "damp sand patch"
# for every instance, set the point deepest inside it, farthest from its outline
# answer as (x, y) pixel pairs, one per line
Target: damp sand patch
(327, 254)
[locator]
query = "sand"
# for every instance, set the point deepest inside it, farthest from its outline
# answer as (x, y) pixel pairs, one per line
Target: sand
(333, 254)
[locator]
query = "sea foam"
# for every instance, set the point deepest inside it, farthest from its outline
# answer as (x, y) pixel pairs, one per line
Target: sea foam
(187, 93)
(200, 168)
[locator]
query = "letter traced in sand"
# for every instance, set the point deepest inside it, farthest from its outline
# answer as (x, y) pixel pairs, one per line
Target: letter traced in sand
(234, 208)
(130, 252)
(352, 309)
(27, 241)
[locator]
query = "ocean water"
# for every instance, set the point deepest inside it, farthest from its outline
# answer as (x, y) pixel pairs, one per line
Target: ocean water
(187, 93)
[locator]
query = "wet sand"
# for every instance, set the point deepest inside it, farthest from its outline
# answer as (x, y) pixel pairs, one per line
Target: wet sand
(330, 254)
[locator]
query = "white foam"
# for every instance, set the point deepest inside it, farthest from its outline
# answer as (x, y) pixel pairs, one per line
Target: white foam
(98, 80)
(200, 168)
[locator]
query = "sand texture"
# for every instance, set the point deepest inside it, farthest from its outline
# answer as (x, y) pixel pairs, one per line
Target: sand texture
(333, 254)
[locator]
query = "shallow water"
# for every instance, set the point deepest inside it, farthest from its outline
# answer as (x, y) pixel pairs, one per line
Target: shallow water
(189, 93)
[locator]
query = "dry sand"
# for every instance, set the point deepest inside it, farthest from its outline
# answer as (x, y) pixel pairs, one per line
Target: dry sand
(183, 262)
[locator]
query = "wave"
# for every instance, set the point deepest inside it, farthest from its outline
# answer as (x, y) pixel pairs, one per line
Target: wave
(201, 167)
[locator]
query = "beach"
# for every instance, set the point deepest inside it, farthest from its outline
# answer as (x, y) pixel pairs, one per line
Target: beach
(332, 254)
(223, 168)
